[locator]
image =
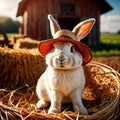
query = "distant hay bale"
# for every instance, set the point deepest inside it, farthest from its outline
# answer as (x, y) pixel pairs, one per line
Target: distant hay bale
(19, 67)
(101, 97)
(112, 61)
(27, 43)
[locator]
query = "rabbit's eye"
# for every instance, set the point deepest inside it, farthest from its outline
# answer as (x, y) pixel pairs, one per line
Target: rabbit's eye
(52, 49)
(72, 49)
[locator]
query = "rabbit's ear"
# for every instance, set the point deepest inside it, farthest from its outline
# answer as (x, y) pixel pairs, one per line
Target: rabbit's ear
(54, 26)
(83, 28)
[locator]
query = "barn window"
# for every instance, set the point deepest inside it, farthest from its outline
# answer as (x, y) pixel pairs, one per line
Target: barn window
(68, 9)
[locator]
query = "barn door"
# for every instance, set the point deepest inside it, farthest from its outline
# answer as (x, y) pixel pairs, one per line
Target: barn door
(68, 22)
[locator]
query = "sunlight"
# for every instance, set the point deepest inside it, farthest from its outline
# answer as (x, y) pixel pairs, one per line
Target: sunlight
(2, 5)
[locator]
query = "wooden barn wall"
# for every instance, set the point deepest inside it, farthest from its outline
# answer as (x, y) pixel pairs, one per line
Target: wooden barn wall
(37, 11)
(91, 9)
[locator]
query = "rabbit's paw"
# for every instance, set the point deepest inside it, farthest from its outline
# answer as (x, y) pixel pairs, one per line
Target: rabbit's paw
(84, 111)
(42, 104)
(53, 110)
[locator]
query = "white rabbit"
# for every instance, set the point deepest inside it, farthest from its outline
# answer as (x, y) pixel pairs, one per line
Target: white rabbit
(64, 79)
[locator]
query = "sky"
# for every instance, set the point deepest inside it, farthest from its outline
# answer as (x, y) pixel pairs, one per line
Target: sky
(110, 21)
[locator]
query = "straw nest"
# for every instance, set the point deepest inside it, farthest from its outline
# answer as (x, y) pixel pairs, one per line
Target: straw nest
(26, 43)
(19, 71)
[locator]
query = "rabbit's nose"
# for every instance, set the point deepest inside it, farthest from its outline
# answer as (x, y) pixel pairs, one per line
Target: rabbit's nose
(61, 58)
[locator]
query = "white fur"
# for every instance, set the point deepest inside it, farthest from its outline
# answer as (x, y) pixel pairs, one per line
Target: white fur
(64, 79)
(71, 59)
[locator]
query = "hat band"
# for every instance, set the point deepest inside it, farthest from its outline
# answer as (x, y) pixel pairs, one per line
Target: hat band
(66, 33)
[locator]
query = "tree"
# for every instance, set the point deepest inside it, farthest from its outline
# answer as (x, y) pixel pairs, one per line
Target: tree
(118, 32)
(9, 25)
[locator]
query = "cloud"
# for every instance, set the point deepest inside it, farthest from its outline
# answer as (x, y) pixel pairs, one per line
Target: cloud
(110, 23)
(8, 8)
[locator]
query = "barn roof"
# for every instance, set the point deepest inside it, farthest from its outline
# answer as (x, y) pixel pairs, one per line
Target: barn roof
(104, 6)
(22, 7)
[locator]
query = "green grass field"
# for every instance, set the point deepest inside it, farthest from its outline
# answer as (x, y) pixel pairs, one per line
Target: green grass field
(109, 45)
(9, 35)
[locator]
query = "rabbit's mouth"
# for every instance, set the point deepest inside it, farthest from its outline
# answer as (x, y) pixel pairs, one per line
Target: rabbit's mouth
(62, 62)
(65, 66)
(62, 67)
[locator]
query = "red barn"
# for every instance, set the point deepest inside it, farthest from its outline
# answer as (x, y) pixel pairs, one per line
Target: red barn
(68, 13)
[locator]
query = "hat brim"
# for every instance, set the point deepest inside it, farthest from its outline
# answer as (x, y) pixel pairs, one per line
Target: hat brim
(47, 45)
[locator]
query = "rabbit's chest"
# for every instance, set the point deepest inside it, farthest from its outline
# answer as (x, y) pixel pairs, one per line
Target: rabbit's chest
(65, 81)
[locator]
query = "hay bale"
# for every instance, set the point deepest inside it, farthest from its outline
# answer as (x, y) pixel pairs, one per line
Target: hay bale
(27, 43)
(112, 61)
(101, 97)
(19, 67)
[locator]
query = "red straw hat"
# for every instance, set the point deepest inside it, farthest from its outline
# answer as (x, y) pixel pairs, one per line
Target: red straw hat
(46, 45)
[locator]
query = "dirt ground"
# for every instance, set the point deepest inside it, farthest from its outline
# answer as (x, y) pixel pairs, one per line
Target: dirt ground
(112, 61)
